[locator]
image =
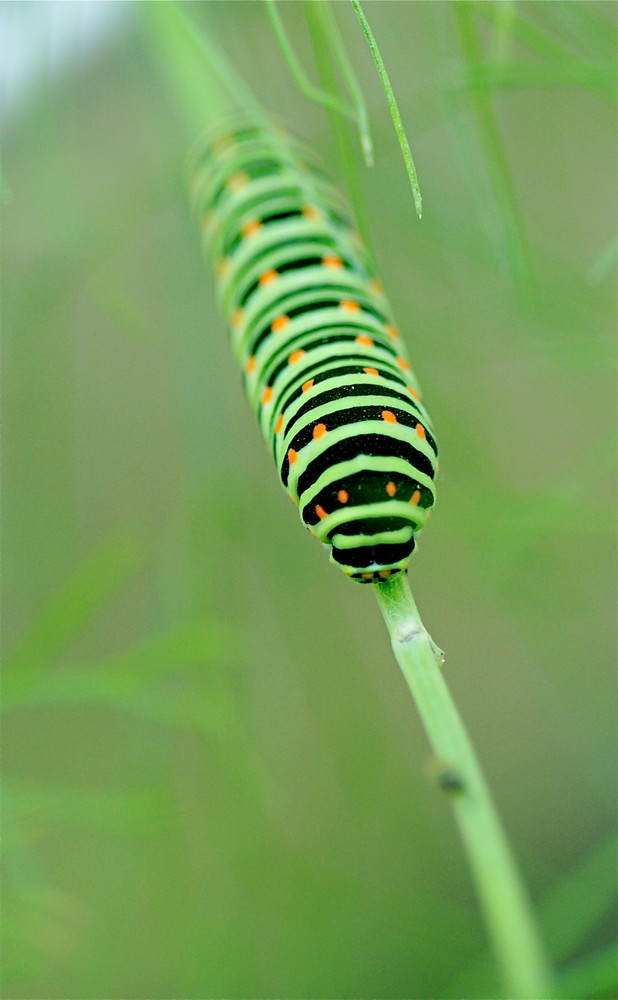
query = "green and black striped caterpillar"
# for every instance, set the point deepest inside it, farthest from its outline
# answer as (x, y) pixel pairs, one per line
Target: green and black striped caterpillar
(324, 367)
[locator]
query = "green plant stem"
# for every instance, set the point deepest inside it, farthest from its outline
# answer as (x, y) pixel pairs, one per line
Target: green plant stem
(393, 107)
(503, 901)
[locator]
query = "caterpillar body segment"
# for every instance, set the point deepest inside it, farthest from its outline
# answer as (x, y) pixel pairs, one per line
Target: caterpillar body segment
(324, 367)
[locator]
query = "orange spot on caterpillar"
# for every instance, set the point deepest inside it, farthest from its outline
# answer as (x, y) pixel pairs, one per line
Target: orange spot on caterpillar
(237, 316)
(319, 430)
(267, 395)
(250, 365)
(307, 385)
(416, 496)
(295, 356)
(349, 305)
(403, 364)
(279, 423)
(391, 489)
(343, 496)
(392, 332)
(311, 212)
(389, 416)
(292, 456)
(420, 430)
(251, 228)
(384, 573)
(335, 262)
(367, 576)
(365, 341)
(413, 393)
(370, 371)
(222, 267)
(237, 181)
(267, 277)
(376, 286)
(279, 323)
(320, 512)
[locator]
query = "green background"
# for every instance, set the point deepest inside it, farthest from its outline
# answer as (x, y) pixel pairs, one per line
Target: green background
(216, 783)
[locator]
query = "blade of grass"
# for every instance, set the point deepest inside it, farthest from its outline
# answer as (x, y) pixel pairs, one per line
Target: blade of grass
(393, 107)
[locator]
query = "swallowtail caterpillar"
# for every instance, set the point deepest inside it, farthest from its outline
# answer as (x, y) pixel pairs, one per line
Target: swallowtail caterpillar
(324, 367)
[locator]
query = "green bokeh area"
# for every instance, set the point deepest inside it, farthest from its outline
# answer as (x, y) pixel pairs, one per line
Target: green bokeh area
(216, 784)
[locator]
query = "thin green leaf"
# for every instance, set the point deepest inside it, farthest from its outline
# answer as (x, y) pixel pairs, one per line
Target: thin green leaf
(500, 42)
(181, 61)
(110, 812)
(518, 75)
(394, 109)
(567, 913)
(304, 84)
(536, 39)
(340, 128)
(120, 682)
(585, 27)
(580, 899)
(594, 976)
(333, 35)
(6, 195)
(495, 155)
(76, 604)
(604, 263)
(227, 80)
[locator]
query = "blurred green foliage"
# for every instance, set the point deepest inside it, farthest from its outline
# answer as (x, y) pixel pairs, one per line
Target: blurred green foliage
(215, 783)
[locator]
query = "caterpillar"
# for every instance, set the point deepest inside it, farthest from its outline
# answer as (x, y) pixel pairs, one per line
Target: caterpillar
(324, 367)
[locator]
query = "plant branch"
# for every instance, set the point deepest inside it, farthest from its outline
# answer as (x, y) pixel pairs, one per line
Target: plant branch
(503, 901)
